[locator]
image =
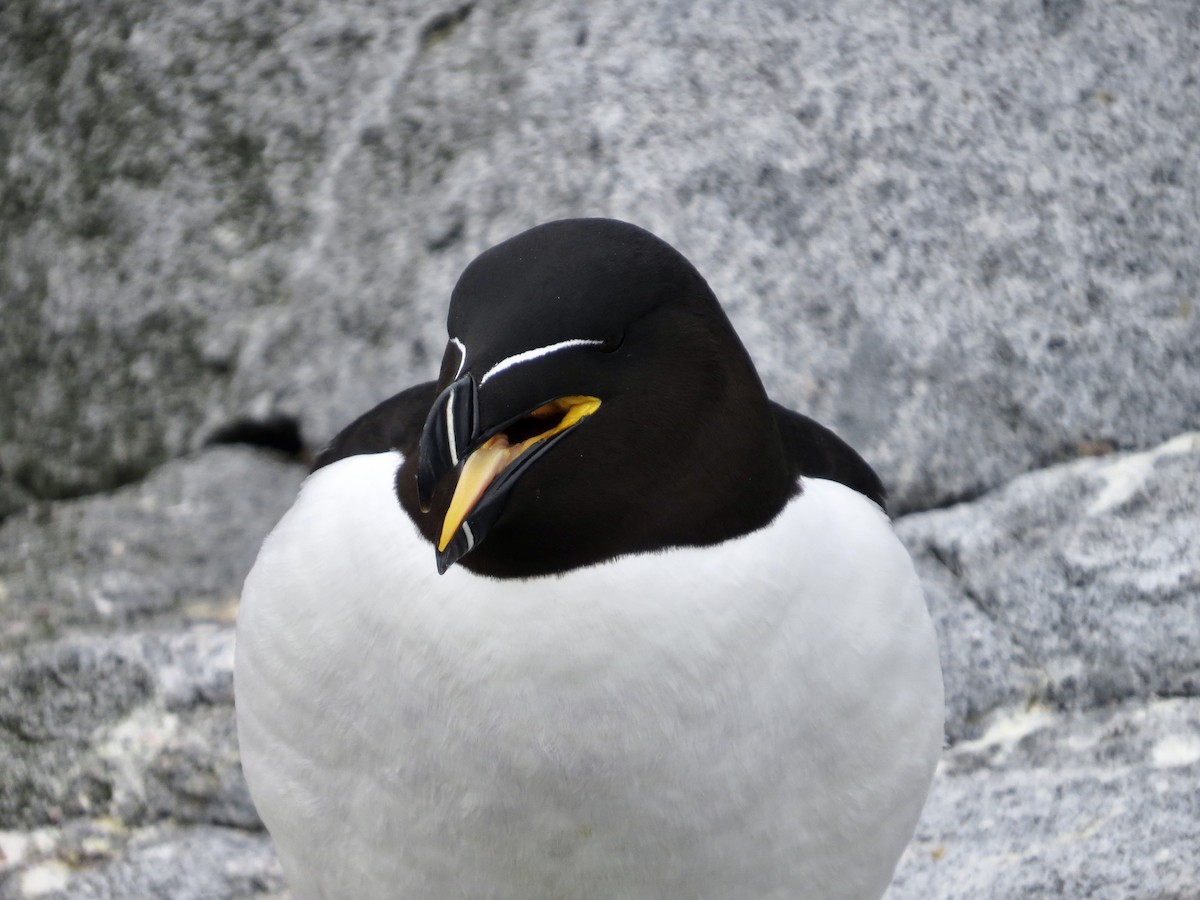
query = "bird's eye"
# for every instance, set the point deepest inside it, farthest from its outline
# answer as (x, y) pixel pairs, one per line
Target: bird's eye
(612, 344)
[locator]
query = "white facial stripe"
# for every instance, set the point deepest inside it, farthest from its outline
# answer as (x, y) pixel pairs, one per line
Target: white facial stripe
(535, 353)
(462, 355)
(450, 429)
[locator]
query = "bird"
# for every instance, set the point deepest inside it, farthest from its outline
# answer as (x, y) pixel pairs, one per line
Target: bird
(587, 616)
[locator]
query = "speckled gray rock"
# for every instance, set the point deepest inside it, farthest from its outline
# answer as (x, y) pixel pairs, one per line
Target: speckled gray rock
(1055, 596)
(109, 748)
(1101, 804)
(962, 235)
(93, 860)
(119, 772)
(924, 218)
(1078, 585)
(176, 545)
(137, 728)
(983, 667)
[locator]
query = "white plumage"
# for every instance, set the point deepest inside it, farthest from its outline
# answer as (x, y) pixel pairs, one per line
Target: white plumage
(756, 719)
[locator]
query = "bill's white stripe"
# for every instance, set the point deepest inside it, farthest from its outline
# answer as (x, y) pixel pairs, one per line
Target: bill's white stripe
(450, 429)
(470, 537)
(462, 355)
(536, 352)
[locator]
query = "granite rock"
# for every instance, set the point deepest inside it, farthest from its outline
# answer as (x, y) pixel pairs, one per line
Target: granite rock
(119, 771)
(924, 218)
(1099, 803)
(1077, 586)
(174, 546)
(137, 728)
(1068, 611)
(963, 235)
(121, 776)
(100, 860)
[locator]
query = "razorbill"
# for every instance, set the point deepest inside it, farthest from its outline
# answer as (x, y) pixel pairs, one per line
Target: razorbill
(587, 617)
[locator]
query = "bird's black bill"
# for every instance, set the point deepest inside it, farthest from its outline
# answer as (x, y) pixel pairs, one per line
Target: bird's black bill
(449, 430)
(493, 467)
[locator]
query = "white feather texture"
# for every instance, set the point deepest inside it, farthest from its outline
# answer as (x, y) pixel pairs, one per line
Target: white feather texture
(755, 720)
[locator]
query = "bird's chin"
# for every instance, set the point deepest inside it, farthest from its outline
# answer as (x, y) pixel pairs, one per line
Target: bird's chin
(493, 468)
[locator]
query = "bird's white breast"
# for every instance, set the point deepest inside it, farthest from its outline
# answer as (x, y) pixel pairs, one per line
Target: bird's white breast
(755, 720)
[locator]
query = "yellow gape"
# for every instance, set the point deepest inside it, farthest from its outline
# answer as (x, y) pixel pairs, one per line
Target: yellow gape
(496, 454)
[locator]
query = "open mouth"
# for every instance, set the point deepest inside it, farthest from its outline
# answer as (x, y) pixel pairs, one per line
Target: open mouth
(505, 454)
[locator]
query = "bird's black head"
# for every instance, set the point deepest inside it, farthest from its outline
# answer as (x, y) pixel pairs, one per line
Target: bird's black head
(593, 400)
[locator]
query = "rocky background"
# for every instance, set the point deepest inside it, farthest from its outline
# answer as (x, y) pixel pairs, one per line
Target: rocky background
(964, 235)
